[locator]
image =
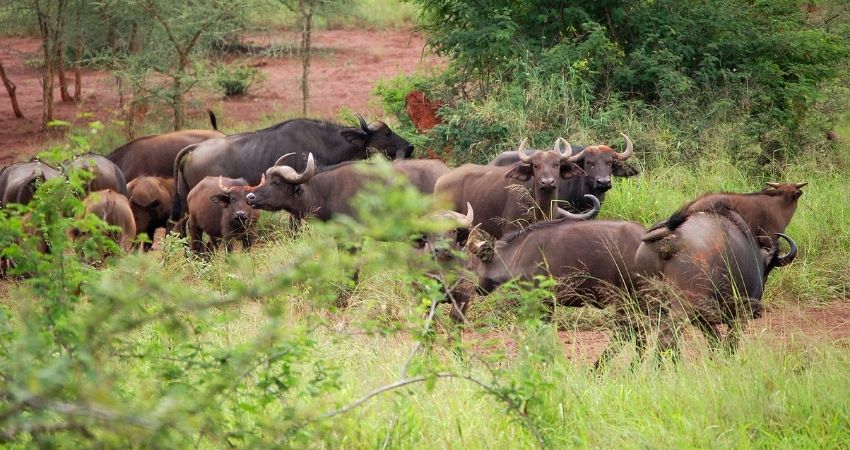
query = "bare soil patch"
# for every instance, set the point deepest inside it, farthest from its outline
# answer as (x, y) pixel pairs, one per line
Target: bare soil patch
(346, 65)
(787, 326)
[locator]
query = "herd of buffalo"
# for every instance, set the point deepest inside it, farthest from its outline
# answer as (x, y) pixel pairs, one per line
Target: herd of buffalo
(526, 213)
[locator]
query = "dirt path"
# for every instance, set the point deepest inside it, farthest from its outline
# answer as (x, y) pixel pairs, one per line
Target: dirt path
(787, 325)
(346, 67)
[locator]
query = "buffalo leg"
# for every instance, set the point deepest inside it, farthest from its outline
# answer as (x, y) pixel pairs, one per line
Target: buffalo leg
(196, 244)
(709, 331)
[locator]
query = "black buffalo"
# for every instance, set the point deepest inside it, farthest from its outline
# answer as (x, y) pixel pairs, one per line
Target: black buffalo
(248, 155)
(105, 173)
(599, 163)
(18, 181)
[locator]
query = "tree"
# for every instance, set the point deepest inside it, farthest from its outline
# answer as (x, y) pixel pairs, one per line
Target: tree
(10, 88)
(305, 10)
(50, 18)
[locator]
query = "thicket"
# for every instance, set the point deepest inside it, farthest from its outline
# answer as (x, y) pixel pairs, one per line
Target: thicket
(666, 70)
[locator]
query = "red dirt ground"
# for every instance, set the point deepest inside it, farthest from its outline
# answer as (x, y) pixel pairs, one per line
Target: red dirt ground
(343, 72)
(787, 325)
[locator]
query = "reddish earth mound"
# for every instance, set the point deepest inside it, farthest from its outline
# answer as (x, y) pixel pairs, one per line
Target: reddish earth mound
(346, 66)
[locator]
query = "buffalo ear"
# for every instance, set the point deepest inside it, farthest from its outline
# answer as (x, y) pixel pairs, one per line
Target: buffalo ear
(355, 136)
(570, 170)
(521, 172)
(623, 169)
(220, 199)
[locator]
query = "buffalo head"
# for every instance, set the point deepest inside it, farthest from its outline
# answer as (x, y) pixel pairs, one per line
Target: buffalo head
(380, 137)
(600, 162)
(442, 245)
(281, 187)
(237, 214)
(544, 168)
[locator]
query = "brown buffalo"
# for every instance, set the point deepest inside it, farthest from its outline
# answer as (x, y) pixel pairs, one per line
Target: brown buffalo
(323, 194)
(218, 208)
(766, 212)
(443, 249)
(599, 163)
(154, 155)
(114, 209)
(422, 173)
(19, 181)
(507, 198)
(592, 260)
(150, 200)
(106, 174)
(709, 270)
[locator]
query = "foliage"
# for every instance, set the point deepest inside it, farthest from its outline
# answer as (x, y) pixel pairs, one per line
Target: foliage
(236, 80)
(766, 61)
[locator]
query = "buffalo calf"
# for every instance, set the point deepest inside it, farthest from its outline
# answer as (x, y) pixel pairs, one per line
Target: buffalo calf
(114, 209)
(217, 207)
(150, 200)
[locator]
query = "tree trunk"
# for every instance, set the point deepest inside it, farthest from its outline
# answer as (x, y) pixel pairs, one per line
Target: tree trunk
(306, 7)
(177, 97)
(11, 88)
(47, 74)
(60, 68)
(78, 59)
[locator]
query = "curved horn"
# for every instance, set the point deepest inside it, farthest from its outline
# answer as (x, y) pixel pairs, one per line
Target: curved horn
(521, 151)
(630, 148)
(587, 215)
(773, 184)
(787, 258)
(262, 182)
(568, 149)
(304, 176)
(577, 157)
(221, 185)
(363, 125)
(280, 160)
(467, 220)
(800, 185)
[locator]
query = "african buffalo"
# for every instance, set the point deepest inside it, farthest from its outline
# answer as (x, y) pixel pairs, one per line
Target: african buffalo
(218, 208)
(599, 163)
(150, 200)
(503, 197)
(107, 175)
(443, 248)
(422, 173)
(248, 155)
(18, 181)
(320, 194)
(593, 262)
(767, 212)
(154, 155)
(114, 209)
(709, 270)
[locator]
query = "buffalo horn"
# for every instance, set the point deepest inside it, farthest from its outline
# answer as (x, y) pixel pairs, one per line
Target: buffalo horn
(578, 156)
(363, 125)
(629, 149)
(787, 258)
(282, 158)
(262, 182)
(568, 149)
(467, 220)
(774, 185)
(303, 177)
(800, 185)
(521, 151)
(473, 243)
(221, 185)
(587, 215)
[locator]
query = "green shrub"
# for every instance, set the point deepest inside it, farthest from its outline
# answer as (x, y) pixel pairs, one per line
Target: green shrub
(236, 80)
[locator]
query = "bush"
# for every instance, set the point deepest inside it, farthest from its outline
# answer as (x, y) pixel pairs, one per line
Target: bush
(236, 80)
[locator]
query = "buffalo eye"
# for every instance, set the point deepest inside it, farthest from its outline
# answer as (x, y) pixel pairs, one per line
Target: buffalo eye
(297, 189)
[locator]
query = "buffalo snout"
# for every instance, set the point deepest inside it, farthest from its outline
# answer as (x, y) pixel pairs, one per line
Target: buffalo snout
(603, 183)
(548, 183)
(250, 198)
